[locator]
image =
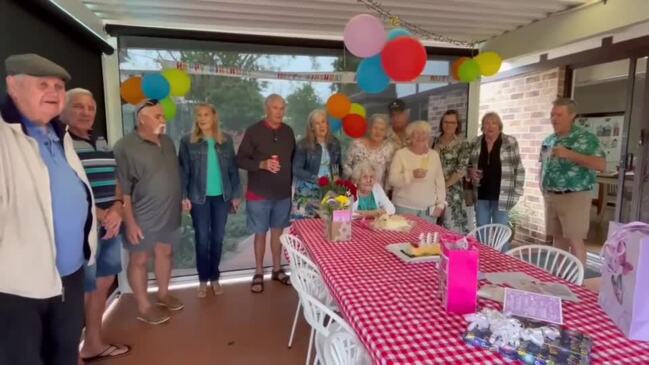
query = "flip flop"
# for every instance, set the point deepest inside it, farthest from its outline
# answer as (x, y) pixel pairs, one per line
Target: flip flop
(108, 353)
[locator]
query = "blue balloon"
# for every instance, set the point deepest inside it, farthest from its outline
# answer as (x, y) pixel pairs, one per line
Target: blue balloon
(155, 86)
(335, 124)
(398, 32)
(370, 75)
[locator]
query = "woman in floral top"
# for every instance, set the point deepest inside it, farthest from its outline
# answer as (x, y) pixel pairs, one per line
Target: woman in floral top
(454, 155)
(375, 148)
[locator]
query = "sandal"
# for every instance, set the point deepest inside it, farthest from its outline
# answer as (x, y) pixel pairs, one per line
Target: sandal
(111, 352)
(257, 282)
(281, 276)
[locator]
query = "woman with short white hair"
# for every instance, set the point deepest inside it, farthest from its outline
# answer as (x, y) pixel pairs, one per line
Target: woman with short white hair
(372, 200)
(375, 148)
(417, 177)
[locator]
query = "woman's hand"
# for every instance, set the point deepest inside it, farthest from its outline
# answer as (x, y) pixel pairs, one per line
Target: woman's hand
(235, 205)
(186, 205)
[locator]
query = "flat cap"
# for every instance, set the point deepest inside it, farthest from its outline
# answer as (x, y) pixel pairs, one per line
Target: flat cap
(34, 65)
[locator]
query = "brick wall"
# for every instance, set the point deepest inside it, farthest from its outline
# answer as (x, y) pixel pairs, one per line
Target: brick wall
(524, 104)
(449, 99)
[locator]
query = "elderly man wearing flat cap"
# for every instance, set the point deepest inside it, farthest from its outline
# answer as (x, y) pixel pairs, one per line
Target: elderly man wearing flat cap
(399, 118)
(47, 225)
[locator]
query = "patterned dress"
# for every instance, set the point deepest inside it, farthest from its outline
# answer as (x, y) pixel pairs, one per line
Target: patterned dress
(380, 157)
(455, 158)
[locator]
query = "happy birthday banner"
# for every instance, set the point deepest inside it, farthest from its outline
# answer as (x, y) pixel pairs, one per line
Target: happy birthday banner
(334, 77)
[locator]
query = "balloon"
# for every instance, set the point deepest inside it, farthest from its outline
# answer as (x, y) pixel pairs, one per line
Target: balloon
(469, 71)
(335, 124)
(338, 105)
(354, 125)
(131, 90)
(179, 81)
(169, 108)
(358, 109)
(398, 32)
(489, 63)
(455, 67)
(370, 75)
(404, 59)
(155, 86)
(364, 35)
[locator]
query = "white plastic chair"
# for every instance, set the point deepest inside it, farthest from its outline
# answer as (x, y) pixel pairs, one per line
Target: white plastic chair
(494, 235)
(553, 260)
(310, 281)
(336, 343)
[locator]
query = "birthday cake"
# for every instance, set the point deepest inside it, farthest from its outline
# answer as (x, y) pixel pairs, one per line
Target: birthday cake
(423, 250)
(392, 223)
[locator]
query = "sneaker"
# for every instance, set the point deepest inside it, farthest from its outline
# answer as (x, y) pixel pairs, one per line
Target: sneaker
(155, 315)
(202, 290)
(172, 303)
(217, 288)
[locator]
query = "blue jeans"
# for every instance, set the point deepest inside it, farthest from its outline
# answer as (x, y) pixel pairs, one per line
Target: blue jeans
(108, 261)
(263, 215)
(209, 221)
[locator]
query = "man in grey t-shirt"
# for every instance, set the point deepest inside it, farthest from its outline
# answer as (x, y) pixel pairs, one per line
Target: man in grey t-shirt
(149, 176)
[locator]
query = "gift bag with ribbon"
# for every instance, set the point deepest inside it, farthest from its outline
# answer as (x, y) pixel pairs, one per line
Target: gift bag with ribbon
(338, 225)
(458, 277)
(624, 293)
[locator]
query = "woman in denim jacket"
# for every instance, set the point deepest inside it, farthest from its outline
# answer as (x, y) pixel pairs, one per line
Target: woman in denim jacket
(316, 155)
(211, 189)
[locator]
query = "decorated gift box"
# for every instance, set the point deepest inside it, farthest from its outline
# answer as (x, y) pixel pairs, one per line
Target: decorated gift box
(535, 345)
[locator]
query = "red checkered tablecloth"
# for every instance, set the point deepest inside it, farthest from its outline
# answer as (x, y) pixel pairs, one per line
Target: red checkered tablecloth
(395, 310)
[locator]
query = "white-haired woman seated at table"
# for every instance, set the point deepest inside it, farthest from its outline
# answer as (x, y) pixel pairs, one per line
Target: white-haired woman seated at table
(417, 177)
(372, 200)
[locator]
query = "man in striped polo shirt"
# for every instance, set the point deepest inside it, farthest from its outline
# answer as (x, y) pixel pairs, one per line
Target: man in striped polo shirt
(99, 164)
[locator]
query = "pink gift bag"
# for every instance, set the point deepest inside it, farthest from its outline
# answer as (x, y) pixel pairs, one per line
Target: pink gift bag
(458, 279)
(624, 293)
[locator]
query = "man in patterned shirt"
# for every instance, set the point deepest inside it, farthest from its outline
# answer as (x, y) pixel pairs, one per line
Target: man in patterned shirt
(570, 156)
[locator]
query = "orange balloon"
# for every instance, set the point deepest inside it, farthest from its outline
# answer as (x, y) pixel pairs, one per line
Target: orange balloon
(455, 67)
(338, 105)
(131, 90)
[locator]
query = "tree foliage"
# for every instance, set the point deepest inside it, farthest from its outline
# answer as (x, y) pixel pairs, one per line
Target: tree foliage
(300, 103)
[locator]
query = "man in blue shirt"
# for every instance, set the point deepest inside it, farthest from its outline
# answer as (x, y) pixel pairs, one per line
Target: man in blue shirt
(41, 324)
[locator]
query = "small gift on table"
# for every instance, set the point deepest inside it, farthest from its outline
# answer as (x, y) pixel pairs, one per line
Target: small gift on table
(458, 277)
(336, 208)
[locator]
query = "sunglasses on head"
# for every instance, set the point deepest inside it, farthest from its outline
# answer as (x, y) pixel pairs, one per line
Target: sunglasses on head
(148, 103)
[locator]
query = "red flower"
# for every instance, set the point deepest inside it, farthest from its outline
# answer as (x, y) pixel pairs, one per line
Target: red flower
(323, 181)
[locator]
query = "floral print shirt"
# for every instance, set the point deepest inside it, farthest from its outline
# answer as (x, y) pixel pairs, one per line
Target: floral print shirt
(380, 157)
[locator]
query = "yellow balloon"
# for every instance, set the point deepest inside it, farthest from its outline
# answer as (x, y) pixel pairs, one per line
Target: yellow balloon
(179, 81)
(489, 63)
(357, 109)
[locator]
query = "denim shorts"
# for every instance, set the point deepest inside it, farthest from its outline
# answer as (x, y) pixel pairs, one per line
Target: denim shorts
(108, 261)
(265, 214)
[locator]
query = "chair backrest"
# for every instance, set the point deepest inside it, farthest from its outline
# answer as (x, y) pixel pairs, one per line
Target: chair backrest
(292, 245)
(493, 235)
(553, 260)
(306, 276)
(343, 348)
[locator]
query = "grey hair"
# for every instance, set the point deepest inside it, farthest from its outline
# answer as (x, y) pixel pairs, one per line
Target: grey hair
(378, 117)
(272, 97)
(570, 104)
(360, 168)
(490, 115)
(419, 125)
(70, 94)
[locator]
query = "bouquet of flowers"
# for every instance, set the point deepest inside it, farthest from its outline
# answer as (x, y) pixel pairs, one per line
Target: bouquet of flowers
(335, 207)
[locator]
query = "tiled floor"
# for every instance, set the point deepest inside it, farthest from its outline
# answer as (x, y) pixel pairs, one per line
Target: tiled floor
(236, 328)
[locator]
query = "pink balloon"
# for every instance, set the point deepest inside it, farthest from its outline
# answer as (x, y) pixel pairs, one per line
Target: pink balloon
(364, 35)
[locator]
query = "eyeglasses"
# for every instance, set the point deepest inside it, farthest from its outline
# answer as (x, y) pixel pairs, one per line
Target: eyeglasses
(148, 103)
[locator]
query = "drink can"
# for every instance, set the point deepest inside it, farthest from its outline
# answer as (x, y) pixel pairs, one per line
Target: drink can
(275, 158)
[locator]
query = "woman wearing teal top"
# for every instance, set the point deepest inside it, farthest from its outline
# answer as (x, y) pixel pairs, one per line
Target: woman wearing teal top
(211, 188)
(372, 200)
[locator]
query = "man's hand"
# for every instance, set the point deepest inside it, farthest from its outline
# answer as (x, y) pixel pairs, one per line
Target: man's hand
(112, 220)
(186, 205)
(419, 173)
(235, 205)
(270, 165)
(134, 233)
(561, 152)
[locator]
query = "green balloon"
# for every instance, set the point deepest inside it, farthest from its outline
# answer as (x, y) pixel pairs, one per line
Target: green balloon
(469, 71)
(169, 108)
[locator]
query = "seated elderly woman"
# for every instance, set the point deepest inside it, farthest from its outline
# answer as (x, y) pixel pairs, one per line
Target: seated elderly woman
(417, 177)
(372, 200)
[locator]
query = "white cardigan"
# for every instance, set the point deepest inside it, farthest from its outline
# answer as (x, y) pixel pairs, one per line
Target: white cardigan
(381, 200)
(27, 247)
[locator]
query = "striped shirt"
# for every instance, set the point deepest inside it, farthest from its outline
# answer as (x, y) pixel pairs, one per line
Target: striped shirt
(100, 168)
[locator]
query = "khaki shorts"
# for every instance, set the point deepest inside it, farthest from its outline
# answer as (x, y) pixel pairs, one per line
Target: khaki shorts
(568, 215)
